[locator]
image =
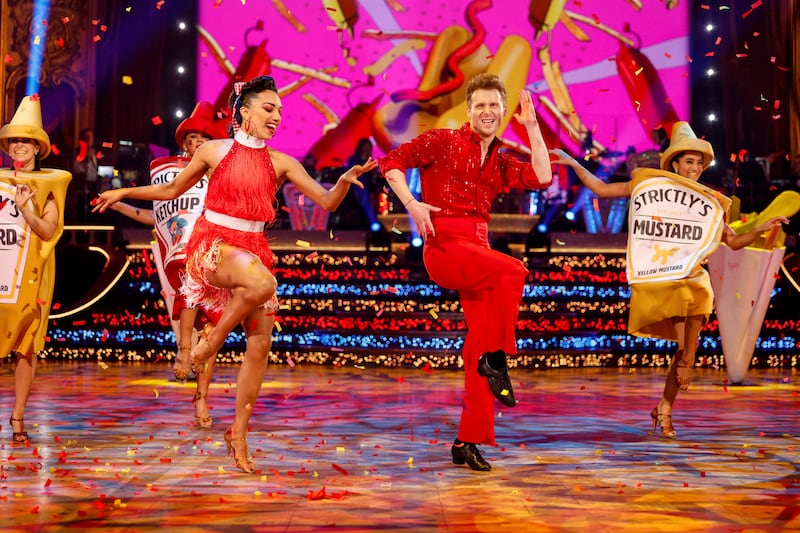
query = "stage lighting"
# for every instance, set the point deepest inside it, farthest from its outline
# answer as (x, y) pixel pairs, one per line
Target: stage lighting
(41, 10)
(375, 226)
(413, 252)
(537, 239)
(569, 214)
(378, 239)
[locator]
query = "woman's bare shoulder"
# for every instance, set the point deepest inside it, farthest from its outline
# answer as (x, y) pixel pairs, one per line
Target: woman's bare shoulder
(213, 151)
(282, 161)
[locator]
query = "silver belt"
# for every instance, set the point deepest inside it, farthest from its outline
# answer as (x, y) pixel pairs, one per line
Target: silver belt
(240, 224)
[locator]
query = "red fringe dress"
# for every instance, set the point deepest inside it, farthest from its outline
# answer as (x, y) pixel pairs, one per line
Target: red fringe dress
(243, 186)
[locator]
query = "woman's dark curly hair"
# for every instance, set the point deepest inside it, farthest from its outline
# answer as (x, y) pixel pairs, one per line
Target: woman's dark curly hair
(249, 90)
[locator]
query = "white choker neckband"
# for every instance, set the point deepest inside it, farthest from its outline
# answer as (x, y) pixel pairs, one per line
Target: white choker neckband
(249, 141)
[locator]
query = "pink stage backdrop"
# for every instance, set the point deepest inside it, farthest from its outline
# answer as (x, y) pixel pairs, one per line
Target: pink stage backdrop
(349, 69)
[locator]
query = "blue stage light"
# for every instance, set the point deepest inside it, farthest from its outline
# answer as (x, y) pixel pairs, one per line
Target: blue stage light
(416, 242)
(375, 227)
(41, 10)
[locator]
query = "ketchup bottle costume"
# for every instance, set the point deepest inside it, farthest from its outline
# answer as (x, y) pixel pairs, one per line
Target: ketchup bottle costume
(458, 257)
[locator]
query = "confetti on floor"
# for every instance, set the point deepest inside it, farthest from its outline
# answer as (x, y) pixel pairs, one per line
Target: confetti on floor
(339, 448)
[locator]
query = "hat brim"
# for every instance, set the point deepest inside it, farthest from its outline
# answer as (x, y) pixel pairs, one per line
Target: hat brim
(14, 131)
(687, 145)
(191, 124)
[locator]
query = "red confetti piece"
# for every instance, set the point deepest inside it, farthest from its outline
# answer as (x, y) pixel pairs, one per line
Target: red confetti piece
(340, 470)
(156, 120)
(318, 495)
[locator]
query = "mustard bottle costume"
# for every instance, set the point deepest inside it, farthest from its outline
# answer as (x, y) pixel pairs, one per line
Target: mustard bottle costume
(27, 262)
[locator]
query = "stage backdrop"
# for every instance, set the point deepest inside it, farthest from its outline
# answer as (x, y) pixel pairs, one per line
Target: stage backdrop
(390, 69)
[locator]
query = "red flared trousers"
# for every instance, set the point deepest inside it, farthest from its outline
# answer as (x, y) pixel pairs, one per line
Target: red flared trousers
(490, 286)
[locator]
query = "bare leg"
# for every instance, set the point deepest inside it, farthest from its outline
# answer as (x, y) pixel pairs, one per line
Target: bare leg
(251, 284)
(24, 370)
(185, 329)
(258, 327)
(685, 364)
(671, 385)
(694, 324)
(662, 414)
(251, 374)
(200, 400)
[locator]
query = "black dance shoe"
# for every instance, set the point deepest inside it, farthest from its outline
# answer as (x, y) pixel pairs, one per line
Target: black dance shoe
(468, 453)
(493, 366)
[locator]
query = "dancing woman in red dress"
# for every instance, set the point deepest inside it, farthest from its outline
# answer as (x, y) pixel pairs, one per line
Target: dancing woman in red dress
(228, 253)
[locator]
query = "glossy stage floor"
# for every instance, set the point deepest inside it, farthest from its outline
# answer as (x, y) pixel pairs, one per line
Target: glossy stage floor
(114, 447)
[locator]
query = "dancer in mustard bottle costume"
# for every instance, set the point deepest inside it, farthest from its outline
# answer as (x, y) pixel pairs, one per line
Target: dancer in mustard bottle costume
(31, 222)
(674, 224)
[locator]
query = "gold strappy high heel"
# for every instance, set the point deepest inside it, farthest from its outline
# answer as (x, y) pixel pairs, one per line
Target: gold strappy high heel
(181, 368)
(18, 436)
(665, 422)
(199, 363)
(204, 422)
(243, 460)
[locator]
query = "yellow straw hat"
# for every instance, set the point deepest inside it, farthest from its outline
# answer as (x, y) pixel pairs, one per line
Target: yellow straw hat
(27, 124)
(683, 139)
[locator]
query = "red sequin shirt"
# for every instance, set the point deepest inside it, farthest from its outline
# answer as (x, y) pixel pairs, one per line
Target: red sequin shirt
(451, 175)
